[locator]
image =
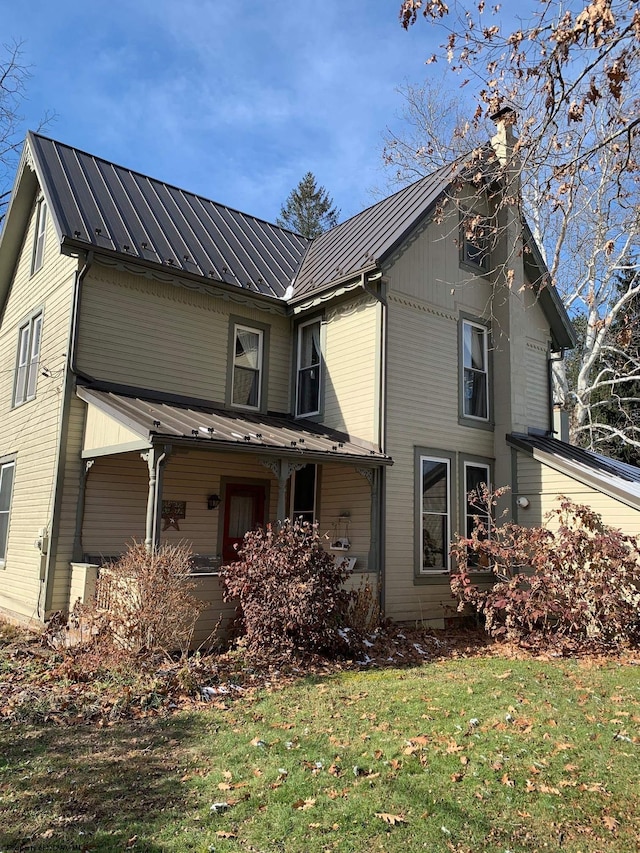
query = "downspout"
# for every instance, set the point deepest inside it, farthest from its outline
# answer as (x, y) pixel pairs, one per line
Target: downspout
(550, 362)
(71, 369)
(379, 493)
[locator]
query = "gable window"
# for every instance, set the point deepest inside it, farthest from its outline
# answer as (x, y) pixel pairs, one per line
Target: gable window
(247, 367)
(308, 372)
(28, 360)
(303, 494)
(6, 488)
(435, 513)
(474, 241)
(475, 371)
(39, 238)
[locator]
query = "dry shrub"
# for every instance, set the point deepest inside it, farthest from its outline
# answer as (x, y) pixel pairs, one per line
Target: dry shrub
(363, 611)
(291, 593)
(576, 587)
(148, 599)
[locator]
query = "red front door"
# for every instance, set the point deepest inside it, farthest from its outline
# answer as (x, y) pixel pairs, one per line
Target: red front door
(243, 510)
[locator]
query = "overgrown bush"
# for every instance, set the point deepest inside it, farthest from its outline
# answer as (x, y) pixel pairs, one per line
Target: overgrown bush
(574, 586)
(148, 599)
(291, 592)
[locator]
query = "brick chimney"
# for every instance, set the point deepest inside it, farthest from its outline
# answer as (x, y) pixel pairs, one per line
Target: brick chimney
(505, 139)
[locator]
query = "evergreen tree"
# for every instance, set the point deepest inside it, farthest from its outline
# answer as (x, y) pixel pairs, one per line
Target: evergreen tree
(308, 210)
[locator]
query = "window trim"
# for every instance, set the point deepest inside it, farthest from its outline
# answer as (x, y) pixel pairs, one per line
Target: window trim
(466, 262)
(21, 396)
(39, 236)
(463, 417)
(434, 574)
(263, 330)
(318, 412)
(6, 462)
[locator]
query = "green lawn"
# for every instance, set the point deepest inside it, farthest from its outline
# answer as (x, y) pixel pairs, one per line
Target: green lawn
(477, 754)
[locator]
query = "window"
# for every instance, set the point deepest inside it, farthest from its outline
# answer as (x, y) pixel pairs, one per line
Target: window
(28, 360)
(476, 475)
(247, 367)
(303, 494)
(308, 377)
(6, 487)
(475, 371)
(39, 238)
(435, 513)
(474, 241)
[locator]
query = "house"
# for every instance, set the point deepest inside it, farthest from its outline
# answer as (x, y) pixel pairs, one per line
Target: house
(174, 369)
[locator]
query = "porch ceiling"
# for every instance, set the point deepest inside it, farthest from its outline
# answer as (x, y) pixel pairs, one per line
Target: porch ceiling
(205, 427)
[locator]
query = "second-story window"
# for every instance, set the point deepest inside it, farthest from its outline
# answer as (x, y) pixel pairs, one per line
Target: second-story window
(475, 367)
(308, 369)
(247, 367)
(28, 360)
(39, 237)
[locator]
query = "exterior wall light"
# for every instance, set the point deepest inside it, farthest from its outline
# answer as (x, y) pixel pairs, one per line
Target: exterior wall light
(523, 503)
(213, 501)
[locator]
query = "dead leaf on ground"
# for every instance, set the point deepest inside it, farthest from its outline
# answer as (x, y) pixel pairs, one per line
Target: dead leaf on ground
(303, 805)
(391, 819)
(611, 823)
(222, 834)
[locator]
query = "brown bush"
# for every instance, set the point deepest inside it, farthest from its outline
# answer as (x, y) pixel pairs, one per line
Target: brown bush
(291, 593)
(577, 586)
(148, 599)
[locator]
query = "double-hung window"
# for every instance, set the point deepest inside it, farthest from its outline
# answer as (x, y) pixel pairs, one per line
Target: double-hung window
(6, 487)
(476, 475)
(39, 238)
(435, 513)
(308, 369)
(475, 371)
(28, 360)
(247, 367)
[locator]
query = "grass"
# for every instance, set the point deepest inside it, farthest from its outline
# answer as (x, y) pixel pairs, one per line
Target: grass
(472, 754)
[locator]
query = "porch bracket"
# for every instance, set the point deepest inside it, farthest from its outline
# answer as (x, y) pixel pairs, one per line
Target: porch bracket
(367, 473)
(282, 469)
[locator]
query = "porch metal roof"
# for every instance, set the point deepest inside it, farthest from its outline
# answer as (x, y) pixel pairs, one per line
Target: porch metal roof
(615, 478)
(207, 427)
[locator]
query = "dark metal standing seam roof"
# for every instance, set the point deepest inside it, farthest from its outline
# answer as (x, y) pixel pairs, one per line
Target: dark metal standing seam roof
(97, 204)
(212, 429)
(367, 239)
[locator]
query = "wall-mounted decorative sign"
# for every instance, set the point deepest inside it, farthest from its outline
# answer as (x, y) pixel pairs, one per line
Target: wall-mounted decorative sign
(172, 513)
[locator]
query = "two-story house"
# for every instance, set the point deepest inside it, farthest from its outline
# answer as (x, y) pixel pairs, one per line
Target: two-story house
(173, 369)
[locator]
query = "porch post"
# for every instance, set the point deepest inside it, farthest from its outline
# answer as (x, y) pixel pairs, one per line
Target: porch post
(372, 476)
(149, 457)
(82, 496)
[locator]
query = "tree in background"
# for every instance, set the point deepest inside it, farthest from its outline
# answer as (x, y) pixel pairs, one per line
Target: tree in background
(308, 210)
(14, 76)
(572, 73)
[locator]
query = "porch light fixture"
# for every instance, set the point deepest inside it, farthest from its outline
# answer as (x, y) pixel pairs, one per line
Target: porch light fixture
(213, 501)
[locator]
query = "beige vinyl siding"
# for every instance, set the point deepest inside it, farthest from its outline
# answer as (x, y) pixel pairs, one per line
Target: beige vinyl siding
(542, 485)
(343, 490)
(155, 335)
(31, 430)
(352, 335)
(536, 391)
(102, 431)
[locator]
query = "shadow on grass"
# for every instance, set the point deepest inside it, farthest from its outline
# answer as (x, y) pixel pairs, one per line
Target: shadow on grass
(91, 789)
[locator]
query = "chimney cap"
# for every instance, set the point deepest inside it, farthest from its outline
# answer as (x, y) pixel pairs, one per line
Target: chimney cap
(502, 114)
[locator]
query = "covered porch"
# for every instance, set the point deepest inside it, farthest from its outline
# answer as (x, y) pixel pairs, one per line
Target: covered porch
(166, 471)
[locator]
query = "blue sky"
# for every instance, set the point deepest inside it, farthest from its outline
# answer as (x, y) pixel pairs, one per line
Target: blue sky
(235, 101)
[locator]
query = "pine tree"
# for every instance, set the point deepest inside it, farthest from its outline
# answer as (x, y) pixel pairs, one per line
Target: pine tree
(308, 210)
